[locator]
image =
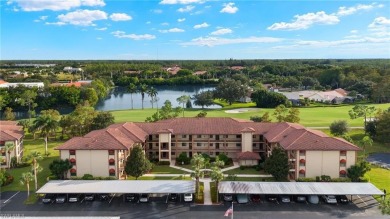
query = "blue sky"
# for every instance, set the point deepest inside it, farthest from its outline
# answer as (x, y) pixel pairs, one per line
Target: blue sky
(193, 29)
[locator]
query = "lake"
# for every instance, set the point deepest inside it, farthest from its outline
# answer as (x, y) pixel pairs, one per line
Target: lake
(120, 98)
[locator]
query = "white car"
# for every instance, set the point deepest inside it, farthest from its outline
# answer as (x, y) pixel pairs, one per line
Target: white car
(144, 198)
(188, 197)
(330, 199)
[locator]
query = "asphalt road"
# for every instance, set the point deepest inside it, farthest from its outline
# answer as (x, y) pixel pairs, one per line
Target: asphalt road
(157, 208)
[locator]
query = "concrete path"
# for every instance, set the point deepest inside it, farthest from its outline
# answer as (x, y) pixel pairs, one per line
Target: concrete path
(206, 191)
(173, 165)
(235, 166)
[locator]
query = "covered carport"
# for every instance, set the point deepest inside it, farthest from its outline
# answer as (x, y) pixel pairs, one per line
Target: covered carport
(117, 187)
(298, 188)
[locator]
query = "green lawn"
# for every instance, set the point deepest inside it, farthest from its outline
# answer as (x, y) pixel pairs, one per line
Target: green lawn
(161, 178)
(164, 169)
(248, 170)
(379, 177)
(310, 116)
(213, 192)
(29, 146)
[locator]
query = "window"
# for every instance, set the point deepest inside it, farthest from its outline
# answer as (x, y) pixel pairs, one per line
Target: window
(343, 173)
(253, 136)
(173, 144)
(73, 172)
(211, 144)
(343, 163)
(184, 144)
(211, 153)
(199, 136)
(199, 144)
(72, 152)
(254, 145)
(112, 172)
(150, 146)
(172, 136)
(111, 152)
(226, 136)
(211, 136)
(173, 153)
(150, 137)
(2, 143)
(111, 161)
(343, 153)
(72, 161)
(184, 136)
(302, 153)
(238, 136)
(157, 136)
(238, 144)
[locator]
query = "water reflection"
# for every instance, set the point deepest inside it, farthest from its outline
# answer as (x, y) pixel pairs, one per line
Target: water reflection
(120, 98)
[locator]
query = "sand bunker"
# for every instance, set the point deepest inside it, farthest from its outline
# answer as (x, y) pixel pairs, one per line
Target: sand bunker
(242, 110)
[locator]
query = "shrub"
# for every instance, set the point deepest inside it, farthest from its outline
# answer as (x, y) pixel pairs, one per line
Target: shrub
(6, 178)
(87, 177)
(23, 164)
(325, 178)
(110, 178)
(341, 180)
(242, 167)
(339, 128)
(52, 177)
(306, 180)
(164, 163)
(183, 159)
(318, 179)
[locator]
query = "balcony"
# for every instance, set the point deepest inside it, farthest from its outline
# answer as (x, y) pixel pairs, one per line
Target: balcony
(164, 146)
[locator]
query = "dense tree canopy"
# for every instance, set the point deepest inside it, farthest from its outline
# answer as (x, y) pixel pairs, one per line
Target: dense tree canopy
(266, 99)
(277, 164)
(230, 90)
(137, 164)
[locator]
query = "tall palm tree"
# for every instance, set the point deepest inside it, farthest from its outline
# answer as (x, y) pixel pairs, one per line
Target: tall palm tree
(133, 90)
(25, 179)
(183, 100)
(46, 123)
(143, 88)
(152, 93)
(197, 162)
(9, 147)
(35, 156)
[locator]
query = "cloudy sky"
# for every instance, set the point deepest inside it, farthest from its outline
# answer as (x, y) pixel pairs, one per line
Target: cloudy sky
(193, 29)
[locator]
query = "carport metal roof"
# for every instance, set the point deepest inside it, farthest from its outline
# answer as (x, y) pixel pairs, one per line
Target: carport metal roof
(118, 186)
(298, 188)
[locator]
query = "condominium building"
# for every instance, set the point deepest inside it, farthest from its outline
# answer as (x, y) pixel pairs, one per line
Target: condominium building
(11, 142)
(311, 153)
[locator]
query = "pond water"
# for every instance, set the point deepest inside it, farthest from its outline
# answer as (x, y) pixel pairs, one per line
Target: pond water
(120, 98)
(381, 159)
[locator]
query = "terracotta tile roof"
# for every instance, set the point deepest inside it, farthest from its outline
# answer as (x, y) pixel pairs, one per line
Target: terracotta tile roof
(290, 136)
(5, 122)
(247, 155)
(10, 131)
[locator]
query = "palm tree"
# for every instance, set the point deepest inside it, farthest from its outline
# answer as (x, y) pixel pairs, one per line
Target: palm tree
(366, 141)
(216, 173)
(197, 162)
(183, 100)
(9, 147)
(152, 93)
(35, 156)
(143, 88)
(47, 122)
(25, 179)
(133, 90)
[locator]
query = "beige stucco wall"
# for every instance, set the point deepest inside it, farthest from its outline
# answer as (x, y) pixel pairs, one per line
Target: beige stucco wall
(246, 142)
(351, 158)
(248, 162)
(93, 162)
(164, 137)
(64, 154)
(322, 163)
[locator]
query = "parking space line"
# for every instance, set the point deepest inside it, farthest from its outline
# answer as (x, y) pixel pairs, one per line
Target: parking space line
(362, 200)
(10, 198)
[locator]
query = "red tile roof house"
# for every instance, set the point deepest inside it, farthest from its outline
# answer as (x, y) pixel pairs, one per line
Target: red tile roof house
(311, 153)
(10, 133)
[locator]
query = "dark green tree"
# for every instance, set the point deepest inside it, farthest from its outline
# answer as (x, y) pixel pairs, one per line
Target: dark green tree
(339, 128)
(355, 172)
(166, 112)
(90, 95)
(383, 127)
(27, 98)
(277, 164)
(137, 164)
(362, 111)
(203, 99)
(102, 120)
(385, 206)
(8, 114)
(266, 99)
(59, 168)
(230, 90)
(47, 122)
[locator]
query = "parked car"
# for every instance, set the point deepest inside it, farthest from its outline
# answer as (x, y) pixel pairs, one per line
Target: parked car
(342, 199)
(73, 198)
(255, 198)
(144, 198)
(272, 198)
(313, 199)
(48, 199)
(89, 197)
(131, 197)
(104, 197)
(188, 197)
(300, 198)
(227, 197)
(284, 198)
(329, 199)
(242, 198)
(61, 198)
(173, 197)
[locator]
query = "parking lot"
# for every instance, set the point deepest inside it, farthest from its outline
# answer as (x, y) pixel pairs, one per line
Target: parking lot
(158, 208)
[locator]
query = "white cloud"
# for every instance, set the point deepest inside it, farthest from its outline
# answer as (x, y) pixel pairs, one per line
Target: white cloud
(122, 34)
(216, 41)
(82, 17)
(380, 27)
(336, 43)
(222, 31)
(120, 17)
(165, 24)
(354, 31)
(157, 11)
(188, 8)
(344, 11)
(203, 25)
(181, 20)
(40, 5)
(305, 21)
(59, 23)
(99, 38)
(148, 22)
(229, 8)
(41, 18)
(183, 2)
(172, 30)
(101, 29)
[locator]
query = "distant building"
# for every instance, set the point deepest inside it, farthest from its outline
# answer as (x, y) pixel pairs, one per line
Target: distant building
(5, 84)
(71, 69)
(71, 83)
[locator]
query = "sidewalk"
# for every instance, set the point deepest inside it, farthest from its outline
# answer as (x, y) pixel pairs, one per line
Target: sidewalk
(206, 191)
